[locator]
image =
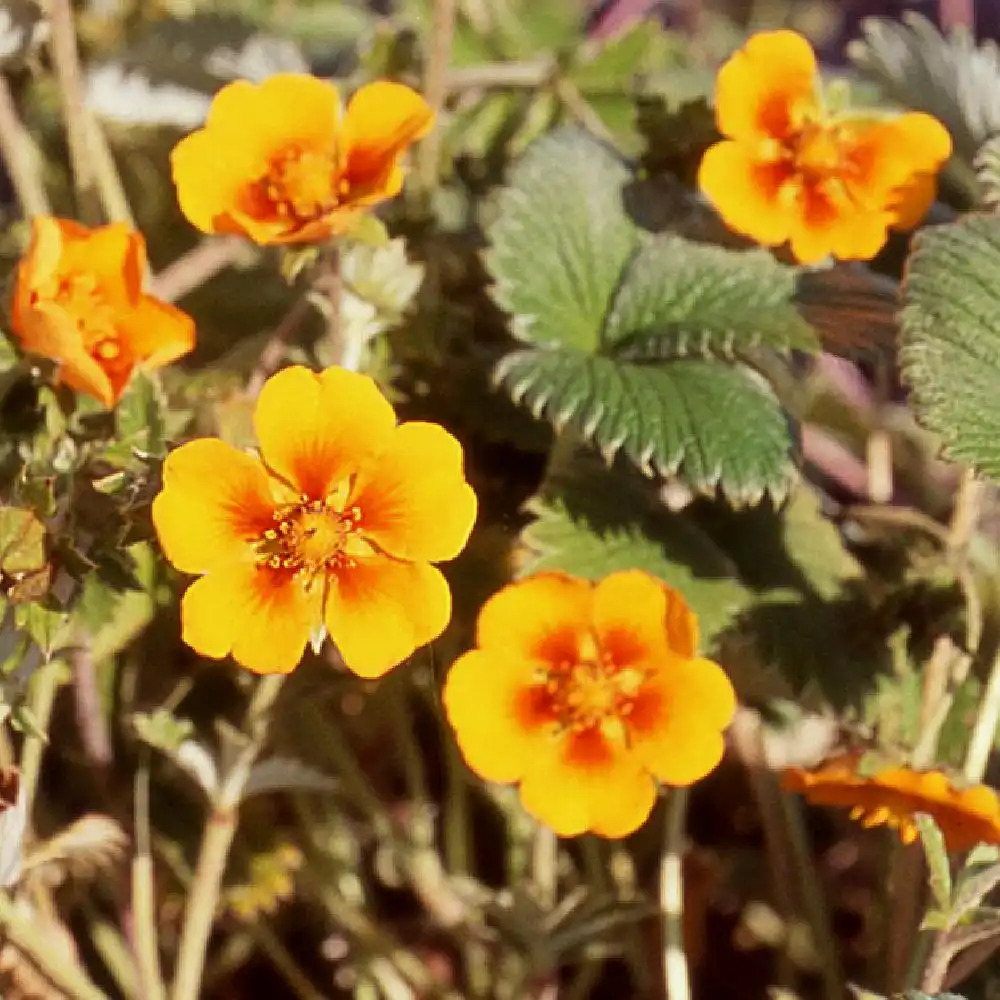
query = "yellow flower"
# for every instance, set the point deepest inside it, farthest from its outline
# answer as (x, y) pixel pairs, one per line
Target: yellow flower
(280, 163)
(336, 522)
(78, 301)
(584, 694)
(790, 170)
(893, 796)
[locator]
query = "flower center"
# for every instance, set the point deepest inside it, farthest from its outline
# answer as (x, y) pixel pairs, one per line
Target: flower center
(310, 538)
(592, 692)
(302, 183)
(80, 297)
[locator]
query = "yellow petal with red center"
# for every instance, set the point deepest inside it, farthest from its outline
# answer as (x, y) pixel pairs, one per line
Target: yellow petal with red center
(415, 502)
(588, 784)
(382, 120)
(215, 500)
(637, 616)
(50, 332)
(211, 174)
(316, 430)
(499, 721)
(765, 89)
(542, 619)
(262, 617)
(843, 231)
(156, 333)
(677, 719)
(746, 192)
(378, 612)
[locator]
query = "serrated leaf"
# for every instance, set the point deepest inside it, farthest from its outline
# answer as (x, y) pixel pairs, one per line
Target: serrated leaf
(591, 522)
(48, 627)
(678, 297)
(951, 336)
(563, 207)
(22, 541)
(952, 78)
(987, 166)
(714, 425)
(973, 889)
(938, 866)
(916, 995)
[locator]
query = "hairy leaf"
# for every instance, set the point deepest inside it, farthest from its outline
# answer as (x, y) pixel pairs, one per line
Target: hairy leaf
(951, 337)
(987, 165)
(938, 867)
(562, 207)
(951, 78)
(712, 424)
(679, 297)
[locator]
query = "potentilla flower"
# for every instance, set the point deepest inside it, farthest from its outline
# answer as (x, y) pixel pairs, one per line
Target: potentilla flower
(335, 523)
(280, 162)
(791, 170)
(893, 797)
(584, 694)
(78, 300)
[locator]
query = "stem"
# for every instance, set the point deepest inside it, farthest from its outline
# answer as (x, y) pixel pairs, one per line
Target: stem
(143, 893)
(435, 87)
(43, 695)
(675, 966)
(55, 965)
(21, 157)
(274, 350)
(545, 866)
(66, 61)
(216, 842)
(200, 264)
(985, 728)
(90, 721)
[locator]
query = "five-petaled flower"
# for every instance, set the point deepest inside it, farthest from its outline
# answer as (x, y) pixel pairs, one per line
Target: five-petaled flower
(280, 162)
(584, 694)
(336, 522)
(791, 170)
(893, 796)
(78, 300)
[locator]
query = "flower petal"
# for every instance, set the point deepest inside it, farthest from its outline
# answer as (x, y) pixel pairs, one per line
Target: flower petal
(382, 120)
(379, 611)
(114, 254)
(590, 784)
(766, 86)
(50, 332)
(676, 723)
(635, 615)
(745, 192)
(262, 617)
(214, 499)
(539, 619)
(498, 726)
(415, 502)
(316, 430)
(157, 333)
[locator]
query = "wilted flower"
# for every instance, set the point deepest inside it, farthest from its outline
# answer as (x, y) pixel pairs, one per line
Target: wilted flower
(893, 796)
(78, 301)
(280, 162)
(585, 694)
(790, 169)
(336, 522)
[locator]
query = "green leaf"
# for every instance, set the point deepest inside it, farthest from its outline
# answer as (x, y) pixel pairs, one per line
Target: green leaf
(22, 541)
(561, 239)
(679, 297)
(938, 866)
(951, 337)
(139, 419)
(714, 425)
(987, 164)
(591, 521)
(951, 78)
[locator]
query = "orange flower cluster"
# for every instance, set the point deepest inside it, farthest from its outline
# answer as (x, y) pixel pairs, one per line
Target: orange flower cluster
(336, 523)
(78, 300)
(791, 170)
(278, 162)
(893, 797)
(584, 694)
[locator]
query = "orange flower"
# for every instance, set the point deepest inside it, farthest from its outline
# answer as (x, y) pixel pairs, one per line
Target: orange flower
(278, 162)
(893, 796)
(584, 694)
(78, 300)
(790, 170)
(336, 523)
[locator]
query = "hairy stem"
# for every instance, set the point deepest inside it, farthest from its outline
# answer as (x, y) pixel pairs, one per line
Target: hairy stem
(435, 88)
(675, 965)
(21, 157)
(216, 842)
